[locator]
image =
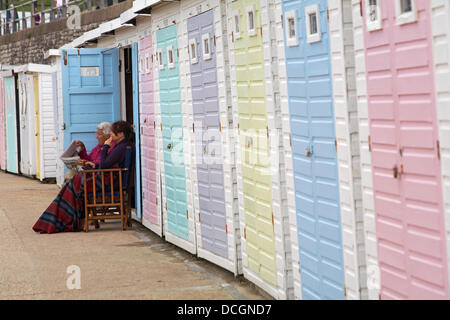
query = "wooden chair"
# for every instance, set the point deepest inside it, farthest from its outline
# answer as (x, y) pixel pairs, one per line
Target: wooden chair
(109, 202)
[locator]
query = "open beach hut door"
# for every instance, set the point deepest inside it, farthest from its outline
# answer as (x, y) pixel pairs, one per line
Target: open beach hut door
(91, 92)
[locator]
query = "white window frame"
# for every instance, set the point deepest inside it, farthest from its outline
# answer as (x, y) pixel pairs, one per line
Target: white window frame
(141, 65)
(193, 41)
(311, 38)
(160, 58)
(237, 34)
(147, 62)
(377, 24)
(206, 56)
(251, 32)
(289, 15)
(407, 17)
(170, 65)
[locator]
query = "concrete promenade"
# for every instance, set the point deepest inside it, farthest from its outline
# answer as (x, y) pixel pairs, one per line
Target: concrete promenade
(134, 264)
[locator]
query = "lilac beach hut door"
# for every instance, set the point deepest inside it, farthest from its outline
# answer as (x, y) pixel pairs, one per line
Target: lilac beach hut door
(207, 133)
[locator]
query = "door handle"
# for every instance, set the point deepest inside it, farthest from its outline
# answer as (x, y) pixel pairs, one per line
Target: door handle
(395, 172)
(169, 146)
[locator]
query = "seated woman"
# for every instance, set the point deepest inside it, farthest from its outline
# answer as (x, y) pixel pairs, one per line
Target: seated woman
(103, 134)
(66, 212)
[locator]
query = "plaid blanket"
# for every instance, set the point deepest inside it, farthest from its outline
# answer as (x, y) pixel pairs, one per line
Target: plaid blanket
(65, 211)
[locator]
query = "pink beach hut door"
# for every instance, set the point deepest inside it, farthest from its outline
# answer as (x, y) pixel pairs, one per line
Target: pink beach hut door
(151, 217)
(405, 151)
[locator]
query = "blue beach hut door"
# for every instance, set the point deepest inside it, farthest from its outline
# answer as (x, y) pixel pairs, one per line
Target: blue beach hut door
(91, 92)
(309, 81)
(137, 126)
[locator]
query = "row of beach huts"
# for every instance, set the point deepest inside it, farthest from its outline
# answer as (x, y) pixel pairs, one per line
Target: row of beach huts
(303, 144)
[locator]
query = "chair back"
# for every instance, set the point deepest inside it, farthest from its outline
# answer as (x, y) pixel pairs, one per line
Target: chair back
(129, 158)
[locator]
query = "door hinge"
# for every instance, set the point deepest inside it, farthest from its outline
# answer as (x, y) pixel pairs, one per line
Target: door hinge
(282, 24)
(290, 140)
(220, 126)
(65, 57)
(273, 223)
(199, 217)
(64, 126)
(239, 130)
(345, 291)
(260, 31)
(360, 8)
(245, 232)
(165, 205)
(379, 296)
(267, 129)
(369, 141)
(187, 214)
(328, 14)
(232, 36)
(154, 124)
(193, 127)
(335, 143)
(160, 126)
(120, 65)
(156, 200)
(178, 53)
(438, 147)
(226, 228)
(214, 40)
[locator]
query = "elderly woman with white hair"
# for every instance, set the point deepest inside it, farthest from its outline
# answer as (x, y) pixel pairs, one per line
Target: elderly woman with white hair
(93, 158)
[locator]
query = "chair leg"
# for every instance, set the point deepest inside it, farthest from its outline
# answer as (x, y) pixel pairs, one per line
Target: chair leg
(123, 218)
(86, 221)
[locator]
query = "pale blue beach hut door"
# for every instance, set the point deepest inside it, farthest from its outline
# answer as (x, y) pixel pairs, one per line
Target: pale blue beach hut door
(135, 72)
(91, 92)
(172, 134)
(308, 68)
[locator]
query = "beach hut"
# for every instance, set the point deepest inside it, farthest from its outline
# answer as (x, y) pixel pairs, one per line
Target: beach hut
(174, 119)
(37, 121)
(2, 130)
(11, 121)
(53, 56)
(401, 56)
(263, 219)
(28, 116)
(319, 111)
(151, 188)
(204, 61)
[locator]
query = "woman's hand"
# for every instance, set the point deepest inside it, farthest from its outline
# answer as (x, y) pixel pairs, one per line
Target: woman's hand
(80, 144)
(89, 163)
(109, 141)
(81, 162)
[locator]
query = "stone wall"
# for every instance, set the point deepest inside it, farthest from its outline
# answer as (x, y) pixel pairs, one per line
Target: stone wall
(29, 46)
